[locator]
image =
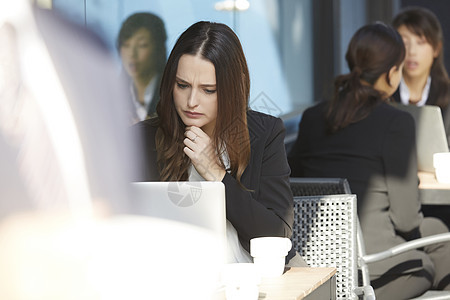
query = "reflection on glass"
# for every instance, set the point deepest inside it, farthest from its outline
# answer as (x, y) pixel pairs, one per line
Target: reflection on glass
(141, 44)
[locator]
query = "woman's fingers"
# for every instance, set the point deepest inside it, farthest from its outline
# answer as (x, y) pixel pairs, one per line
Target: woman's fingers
(190, 135)
(196, 131)
(199, 148)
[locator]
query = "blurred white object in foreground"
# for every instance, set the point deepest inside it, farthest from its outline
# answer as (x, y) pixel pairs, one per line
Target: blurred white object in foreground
(65, 156)
(37, 118)
(125, 257)
(62, 114)
(241, 281)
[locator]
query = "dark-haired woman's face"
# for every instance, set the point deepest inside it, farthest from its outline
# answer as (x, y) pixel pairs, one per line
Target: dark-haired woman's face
(136, 53)
(419, 54)
(194, 93)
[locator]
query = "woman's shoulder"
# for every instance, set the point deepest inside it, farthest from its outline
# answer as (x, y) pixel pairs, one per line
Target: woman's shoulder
(256, 118)
(253, 114)
(391, 109)
(146, 130)
(150, 124)
(315, 114)
(389, 114)
(262, 126)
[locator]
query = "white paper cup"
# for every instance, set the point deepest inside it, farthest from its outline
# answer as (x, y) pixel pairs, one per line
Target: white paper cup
(441, 162)
(269, 254)
(241, 281)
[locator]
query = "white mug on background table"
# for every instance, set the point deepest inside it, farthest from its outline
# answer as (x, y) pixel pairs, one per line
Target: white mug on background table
(441, 162)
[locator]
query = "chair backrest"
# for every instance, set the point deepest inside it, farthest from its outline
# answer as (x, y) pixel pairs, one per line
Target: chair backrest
(319, 186)
(324, 234)
(325, 228)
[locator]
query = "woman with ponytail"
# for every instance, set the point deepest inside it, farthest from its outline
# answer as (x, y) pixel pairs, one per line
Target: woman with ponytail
(205, 131)
(358, 135)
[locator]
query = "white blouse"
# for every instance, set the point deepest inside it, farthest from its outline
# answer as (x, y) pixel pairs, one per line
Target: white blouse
(235, 252)
(142, 109)
(405, 95)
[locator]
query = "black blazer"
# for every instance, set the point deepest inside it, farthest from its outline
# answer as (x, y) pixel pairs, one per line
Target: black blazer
(432, 101)
(378, 157)
(266, 207)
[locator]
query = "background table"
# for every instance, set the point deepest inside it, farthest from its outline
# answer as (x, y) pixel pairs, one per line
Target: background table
(431, 192)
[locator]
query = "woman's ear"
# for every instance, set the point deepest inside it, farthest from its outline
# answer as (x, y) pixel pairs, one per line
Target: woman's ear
(391, 73)
(437, 50)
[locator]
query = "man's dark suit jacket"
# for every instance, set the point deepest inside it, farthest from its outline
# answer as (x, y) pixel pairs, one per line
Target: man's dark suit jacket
(432, 101)
(377, 155)
(266, 208)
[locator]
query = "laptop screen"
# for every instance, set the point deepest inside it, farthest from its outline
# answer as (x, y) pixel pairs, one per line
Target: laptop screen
(430, 133)
(200, 203)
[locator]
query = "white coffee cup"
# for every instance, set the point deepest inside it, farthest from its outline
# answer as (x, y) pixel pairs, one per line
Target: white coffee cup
(269, 254)
(241, 281)
(441, 162)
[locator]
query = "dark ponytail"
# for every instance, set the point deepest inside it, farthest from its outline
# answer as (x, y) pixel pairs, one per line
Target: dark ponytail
(372, 52)
(352, 101)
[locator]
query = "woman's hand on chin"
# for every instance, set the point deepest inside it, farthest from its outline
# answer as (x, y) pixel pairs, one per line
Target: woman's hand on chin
(200, 149)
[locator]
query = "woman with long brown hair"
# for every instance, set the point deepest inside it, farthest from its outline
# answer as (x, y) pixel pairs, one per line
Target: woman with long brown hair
(359, 136)
(205, 131)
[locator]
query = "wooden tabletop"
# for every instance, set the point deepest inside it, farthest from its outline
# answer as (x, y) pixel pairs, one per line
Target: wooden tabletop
(428, 181)
(296, 283)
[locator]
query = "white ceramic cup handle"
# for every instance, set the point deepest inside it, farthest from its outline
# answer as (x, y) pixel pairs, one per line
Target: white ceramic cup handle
(288, 244)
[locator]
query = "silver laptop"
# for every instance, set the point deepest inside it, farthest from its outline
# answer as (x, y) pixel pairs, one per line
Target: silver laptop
(200, 203)
(430, 133)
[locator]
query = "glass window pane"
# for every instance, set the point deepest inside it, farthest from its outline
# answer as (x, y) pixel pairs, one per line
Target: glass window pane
(276, 37)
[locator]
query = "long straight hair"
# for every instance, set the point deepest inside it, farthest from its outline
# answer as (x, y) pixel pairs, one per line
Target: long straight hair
(218, 44)
(424, 23)
(373, 50)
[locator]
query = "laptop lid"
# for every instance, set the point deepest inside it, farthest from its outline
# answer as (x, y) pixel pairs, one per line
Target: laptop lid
(195, 205)
(430, 133)
(200, 203)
